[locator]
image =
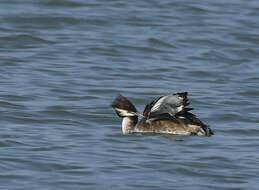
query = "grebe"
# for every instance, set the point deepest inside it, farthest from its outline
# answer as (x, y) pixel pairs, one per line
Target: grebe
(166, 114)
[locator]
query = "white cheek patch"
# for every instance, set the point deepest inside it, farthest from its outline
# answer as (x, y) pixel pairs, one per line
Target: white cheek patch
(124, 113)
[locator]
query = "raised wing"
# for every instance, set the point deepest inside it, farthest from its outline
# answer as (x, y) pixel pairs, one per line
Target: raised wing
(167, 106)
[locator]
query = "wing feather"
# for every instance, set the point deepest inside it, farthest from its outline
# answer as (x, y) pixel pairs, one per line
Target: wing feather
(169, 105)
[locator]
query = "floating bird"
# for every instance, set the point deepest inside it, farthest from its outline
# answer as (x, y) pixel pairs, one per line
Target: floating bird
(165, 115)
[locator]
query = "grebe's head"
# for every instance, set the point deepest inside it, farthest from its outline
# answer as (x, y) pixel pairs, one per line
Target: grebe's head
(123, 107)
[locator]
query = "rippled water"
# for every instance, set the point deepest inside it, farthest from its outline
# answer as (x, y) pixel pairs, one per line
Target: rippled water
(63, 62)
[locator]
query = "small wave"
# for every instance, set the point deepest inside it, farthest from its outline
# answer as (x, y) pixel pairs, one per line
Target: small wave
(49, 22)
(142, 48)
(22, 41)
(245, 132)
(4, 104)
(195, 9)
(67, 3)
(250, 93)
(251, 38)
(157, 42)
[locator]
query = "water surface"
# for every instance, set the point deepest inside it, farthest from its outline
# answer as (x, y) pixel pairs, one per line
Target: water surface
(63, 62)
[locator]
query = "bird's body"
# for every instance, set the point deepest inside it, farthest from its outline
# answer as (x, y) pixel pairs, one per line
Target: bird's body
(166, 114)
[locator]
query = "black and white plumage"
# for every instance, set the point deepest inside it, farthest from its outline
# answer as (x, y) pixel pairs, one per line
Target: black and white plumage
(169, 105)
(167, 114)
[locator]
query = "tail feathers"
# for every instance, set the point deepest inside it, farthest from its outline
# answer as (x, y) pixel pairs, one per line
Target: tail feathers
(123, 107)
(192, 119)
(209, 132)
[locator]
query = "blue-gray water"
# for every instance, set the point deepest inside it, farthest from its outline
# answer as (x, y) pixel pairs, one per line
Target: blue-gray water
(63, 62)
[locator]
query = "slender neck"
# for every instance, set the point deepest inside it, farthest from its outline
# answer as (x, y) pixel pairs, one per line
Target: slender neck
(128, 124)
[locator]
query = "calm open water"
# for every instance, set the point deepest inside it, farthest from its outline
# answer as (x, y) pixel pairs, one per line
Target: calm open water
(63, 62)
